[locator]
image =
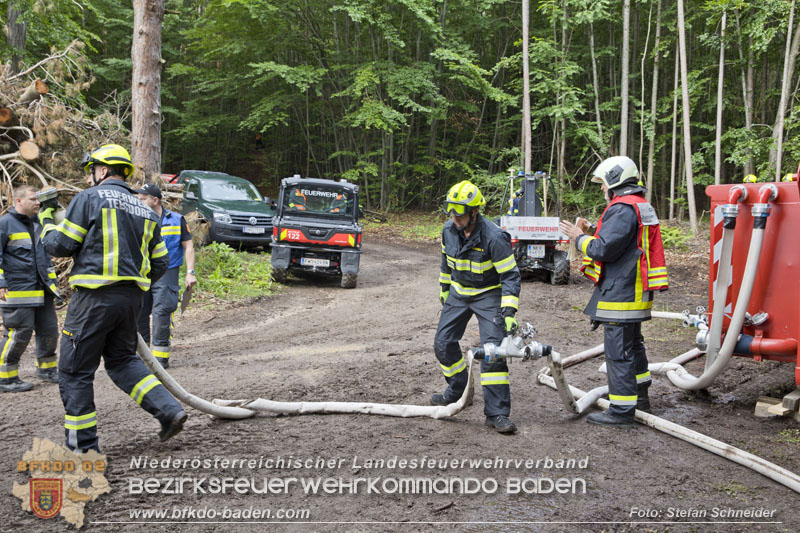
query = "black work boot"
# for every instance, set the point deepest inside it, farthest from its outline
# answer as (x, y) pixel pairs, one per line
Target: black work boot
(164, 362)
(14, 385)
(173, 427)
(443, 399)
(48, 374)
(501, 424)
(607, 419)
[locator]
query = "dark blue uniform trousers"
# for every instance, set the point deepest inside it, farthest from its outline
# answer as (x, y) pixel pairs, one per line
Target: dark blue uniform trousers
(102, 322)
(456, 313)
(626, 367)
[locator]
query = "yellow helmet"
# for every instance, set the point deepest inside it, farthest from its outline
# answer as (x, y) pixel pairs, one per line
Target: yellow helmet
(463, 197)
(789, 177)
(750, 178)
(111, 155)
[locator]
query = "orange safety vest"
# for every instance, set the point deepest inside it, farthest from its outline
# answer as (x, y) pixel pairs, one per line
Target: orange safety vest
(652, 263)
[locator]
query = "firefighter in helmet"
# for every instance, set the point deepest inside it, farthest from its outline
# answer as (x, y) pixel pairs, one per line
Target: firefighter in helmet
(116, 245)
(478, 276)
(625, 259)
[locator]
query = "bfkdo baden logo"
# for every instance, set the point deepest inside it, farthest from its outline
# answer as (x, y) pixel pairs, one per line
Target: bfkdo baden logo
(61, 482)
(46, 497)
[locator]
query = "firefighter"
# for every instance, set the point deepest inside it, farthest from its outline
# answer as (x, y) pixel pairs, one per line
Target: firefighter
(117, 249)
(162, 298)
(479, 276)
(338, 204)
(28, 292)
(750, 178)
(297, 200)
(625, 259)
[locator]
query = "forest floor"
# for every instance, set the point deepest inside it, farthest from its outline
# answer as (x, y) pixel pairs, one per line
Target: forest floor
(314, 341)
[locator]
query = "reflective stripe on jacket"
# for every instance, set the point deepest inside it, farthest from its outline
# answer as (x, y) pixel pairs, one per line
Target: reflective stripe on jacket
(25, 268)
(625, 259)
(112, 236)
(171, 233)
(483, 262)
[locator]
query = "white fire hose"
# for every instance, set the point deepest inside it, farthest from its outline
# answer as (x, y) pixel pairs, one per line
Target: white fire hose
(237, 409)
(511, 347)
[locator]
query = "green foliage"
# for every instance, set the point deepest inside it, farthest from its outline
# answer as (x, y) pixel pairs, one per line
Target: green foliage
(223, 272)
(405, 97)
(790, 436)
(675, 237)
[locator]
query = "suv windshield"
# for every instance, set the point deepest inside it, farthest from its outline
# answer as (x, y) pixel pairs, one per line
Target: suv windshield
(318, 200)
(229, 190)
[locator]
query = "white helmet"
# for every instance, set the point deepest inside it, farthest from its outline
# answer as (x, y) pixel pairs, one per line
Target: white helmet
(615, 171)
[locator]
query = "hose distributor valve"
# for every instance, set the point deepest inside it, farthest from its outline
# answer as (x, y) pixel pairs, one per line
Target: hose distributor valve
(520, 346)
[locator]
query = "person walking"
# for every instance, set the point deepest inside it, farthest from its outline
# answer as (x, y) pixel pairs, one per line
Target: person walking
(116, 245)
(479, 276)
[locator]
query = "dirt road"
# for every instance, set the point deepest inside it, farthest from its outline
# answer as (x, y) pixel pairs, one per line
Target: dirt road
(315, 341)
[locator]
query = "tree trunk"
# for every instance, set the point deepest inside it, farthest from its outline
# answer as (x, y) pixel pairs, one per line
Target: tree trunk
(747, 92)
(626, 34)
(674, 140)
(526, 88)
(146, 87)
(687, 137)
(789, 60)
(643, 75)
(596, 86)
(651, 148)
(720, 78)
(15, 36)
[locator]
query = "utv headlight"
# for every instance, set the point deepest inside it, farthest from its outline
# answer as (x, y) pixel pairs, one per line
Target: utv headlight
(225, 218)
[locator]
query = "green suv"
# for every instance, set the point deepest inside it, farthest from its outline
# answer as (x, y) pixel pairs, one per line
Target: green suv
(232, 209)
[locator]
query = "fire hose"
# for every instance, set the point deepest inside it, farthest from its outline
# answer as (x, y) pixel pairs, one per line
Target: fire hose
(514, 346)
(238, 409)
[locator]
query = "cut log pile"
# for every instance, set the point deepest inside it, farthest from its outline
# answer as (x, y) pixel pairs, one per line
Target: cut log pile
(45, 127)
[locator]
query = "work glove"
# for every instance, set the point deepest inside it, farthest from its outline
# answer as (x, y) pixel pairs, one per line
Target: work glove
(49, 203)
(510, 320)
(443, 296)
(46, 216)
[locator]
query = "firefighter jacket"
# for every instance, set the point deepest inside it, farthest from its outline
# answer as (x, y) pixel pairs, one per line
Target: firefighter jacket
(174, 231)
(625, 259)
(112, 236)
(478, 264)
(25, 268)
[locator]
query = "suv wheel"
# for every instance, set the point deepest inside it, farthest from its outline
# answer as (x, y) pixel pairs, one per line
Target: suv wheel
(279, 274)
(349, 281)
(560, 273)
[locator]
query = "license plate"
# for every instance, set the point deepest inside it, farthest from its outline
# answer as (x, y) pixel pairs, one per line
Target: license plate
(314, 262)
(253, 229)
(536, 251)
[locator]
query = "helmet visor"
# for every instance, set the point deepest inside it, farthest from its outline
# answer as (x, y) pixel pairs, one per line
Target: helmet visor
(457, 209)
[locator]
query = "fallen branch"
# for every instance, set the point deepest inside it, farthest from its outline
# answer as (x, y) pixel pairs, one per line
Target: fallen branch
(59, 55)
(37, 172)
(23, 129)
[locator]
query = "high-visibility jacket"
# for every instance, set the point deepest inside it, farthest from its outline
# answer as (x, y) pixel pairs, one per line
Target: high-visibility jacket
(173, 228)
(112, 236)
(25, 268)
(626, 261)
(483, 262)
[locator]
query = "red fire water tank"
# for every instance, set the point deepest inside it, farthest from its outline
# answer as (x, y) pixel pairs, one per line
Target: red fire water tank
(776, 291)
